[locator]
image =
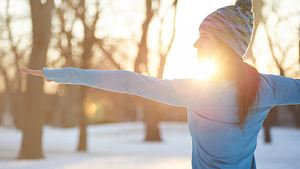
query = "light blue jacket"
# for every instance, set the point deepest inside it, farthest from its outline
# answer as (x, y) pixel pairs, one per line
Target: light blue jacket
(216, 140)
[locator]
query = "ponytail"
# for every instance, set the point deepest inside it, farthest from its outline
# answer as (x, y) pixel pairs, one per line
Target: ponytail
(248, 86)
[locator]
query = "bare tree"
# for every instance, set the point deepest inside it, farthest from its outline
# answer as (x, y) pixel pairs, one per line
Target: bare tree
(33, 121)
(141, 62)
(80, 52)
(280, 51)
(13, 54)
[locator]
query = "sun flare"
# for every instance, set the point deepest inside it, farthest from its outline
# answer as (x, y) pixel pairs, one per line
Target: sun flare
(207, 69)
(200, 69)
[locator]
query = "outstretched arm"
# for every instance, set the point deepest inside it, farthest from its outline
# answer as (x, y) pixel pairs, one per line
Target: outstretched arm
(176, 92)
(286, 90)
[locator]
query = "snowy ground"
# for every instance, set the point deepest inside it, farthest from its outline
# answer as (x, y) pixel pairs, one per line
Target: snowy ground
(121, 146)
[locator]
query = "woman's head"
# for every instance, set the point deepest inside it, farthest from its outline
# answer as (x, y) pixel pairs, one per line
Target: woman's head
(208, 45)
(231, 25)
(225, 36)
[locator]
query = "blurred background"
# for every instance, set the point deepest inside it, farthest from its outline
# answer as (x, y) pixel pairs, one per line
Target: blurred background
(68, 126)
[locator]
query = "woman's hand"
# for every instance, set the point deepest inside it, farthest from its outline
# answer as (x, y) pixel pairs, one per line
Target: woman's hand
(34, 72)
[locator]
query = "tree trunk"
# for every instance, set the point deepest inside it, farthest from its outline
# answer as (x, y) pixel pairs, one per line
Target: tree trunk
(141, 66)
(271, 119)
(31, 147)
(151, 122)
(82, 144)
(88, 43)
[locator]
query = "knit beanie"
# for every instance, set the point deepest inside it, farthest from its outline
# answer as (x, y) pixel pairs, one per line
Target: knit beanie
(233, 25)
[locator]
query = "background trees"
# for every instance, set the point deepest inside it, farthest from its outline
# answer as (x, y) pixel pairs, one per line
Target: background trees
(113, 34)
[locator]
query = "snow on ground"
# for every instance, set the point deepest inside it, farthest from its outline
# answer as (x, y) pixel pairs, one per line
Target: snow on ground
(121, 146)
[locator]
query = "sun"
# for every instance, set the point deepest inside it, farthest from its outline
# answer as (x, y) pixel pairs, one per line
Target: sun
(193, 67)
(207, 69)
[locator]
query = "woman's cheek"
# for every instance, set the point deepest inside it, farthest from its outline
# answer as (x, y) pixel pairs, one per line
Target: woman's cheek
(203, 51)
(206, 48)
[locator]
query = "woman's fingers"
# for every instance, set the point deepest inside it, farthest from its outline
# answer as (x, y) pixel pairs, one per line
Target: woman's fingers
(24, 69)
(34, 73)
(28, 71)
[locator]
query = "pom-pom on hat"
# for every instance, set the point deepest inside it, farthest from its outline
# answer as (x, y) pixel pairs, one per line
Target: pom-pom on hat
(233, 25)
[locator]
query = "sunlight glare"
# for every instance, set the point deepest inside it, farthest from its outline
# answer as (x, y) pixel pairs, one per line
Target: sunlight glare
(208, 68)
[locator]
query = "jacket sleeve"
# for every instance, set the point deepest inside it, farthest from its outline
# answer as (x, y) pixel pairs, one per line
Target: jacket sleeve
(175, 92)
(286, 90)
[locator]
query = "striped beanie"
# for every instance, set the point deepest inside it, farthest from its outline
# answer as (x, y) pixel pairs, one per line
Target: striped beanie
(233, 25)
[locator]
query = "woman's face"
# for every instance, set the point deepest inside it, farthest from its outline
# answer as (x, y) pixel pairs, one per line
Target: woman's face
(207, 45)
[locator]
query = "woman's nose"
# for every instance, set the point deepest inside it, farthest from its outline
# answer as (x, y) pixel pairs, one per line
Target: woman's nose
(196, 43)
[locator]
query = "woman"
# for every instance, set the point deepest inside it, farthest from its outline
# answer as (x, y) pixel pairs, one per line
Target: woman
(226, 112)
